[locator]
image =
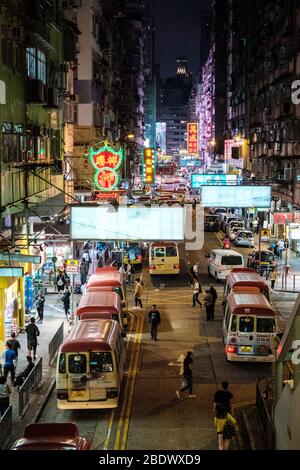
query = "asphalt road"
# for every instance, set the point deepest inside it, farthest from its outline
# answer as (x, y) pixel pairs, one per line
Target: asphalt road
(150, 416)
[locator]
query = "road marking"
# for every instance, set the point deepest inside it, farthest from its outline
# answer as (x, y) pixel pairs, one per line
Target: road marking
(56, 308)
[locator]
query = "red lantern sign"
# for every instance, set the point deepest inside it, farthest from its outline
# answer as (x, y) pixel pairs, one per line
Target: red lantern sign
(106, 179)
(106, 161)
(192, 138)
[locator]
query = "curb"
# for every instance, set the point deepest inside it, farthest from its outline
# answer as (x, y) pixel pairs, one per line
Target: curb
(249, 430)
(41, 407)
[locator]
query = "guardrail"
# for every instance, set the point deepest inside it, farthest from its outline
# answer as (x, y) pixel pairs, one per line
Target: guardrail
(5, 426)
(31, 382)
(55, 342)
(264, 407)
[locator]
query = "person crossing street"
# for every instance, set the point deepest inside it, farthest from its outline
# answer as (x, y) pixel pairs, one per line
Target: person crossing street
(154, 320)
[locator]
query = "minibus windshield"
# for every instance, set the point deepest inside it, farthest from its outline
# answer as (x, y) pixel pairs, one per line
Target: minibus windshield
(231, 260)
(171, 251)
(266, 325)
(101, 362)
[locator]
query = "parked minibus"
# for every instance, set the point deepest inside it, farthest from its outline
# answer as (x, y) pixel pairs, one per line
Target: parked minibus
(164, 258)
(246, 277)
(109, 279)
(249, 324)
(100, 304)
(90, 366)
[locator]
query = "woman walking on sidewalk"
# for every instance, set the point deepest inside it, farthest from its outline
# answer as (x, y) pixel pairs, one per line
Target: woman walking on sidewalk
(225, 425)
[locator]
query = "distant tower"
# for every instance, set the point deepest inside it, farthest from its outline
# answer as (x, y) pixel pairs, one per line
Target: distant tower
(182, 66)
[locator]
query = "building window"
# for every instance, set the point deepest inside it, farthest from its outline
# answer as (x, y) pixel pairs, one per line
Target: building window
(11, 148)
(7, 53)
(36, 64)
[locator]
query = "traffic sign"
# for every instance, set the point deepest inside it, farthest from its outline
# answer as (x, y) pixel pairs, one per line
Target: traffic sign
(265, 235)
(72, 266)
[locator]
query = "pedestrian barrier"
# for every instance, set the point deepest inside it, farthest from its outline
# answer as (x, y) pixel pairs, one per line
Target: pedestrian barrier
(32, 382)
(264, 407)
(5, 426)
(55, 342)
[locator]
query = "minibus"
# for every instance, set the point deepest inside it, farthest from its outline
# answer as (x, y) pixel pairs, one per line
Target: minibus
(249, 325)
(100, 304)
(246, 277)
(90, 366)
(164, 258)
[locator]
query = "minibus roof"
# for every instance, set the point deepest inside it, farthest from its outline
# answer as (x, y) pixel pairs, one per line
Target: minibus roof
(105, 278)
(97, 315)
(245, 303)
(92, 335)
(99, 301)
(107, 269)
(246, 289)
(245, 279)
(163, 244)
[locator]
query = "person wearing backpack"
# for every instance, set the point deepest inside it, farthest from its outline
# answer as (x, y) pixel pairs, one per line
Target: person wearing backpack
(226, 426)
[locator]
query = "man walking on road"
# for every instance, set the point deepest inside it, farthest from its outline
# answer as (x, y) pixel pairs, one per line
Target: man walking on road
(138, 294)
(40, 302)
(223, 397)
(214, 295)
(208, 302)
(187, 383)
(154, 320)
(9, 358)
(196, 292)
(32, 333)
(66, 301)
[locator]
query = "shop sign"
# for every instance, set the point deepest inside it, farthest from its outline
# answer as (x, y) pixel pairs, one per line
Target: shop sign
(192, 138)
(280, 218)
(72, 266)
(265, 235)
(149, 166)
(11, 272)
(20, 258)
(106, 162)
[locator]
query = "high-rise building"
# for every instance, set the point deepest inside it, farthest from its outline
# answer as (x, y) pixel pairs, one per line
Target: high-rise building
(150, 101)
(182, 66)
(205, 36)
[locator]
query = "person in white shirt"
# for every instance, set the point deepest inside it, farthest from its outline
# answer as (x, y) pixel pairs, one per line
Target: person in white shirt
(129, 274)
(196, 268)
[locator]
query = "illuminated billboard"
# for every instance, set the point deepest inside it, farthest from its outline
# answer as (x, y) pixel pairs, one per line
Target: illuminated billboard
(149, 166)
(128, 223)
(199, 180)
(106, 161)
(236, 196)
(192, 138)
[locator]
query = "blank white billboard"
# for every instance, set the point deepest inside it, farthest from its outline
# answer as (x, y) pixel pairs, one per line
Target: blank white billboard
(128, 223)
(236, 196)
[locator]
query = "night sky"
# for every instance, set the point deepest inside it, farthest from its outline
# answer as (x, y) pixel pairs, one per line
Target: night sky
(177, 32)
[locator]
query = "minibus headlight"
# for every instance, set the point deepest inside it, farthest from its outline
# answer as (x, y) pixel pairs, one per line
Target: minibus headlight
(62, 394)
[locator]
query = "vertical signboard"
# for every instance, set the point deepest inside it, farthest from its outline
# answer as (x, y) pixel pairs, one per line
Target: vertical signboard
(149, 166)
(106, 162)
(192, 138)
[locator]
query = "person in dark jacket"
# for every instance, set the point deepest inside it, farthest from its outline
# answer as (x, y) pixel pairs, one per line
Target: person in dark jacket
(40, 302)
(66, 300)
(25, 372)
(15, 345)
(187, 376)
(214, 295)
(32, 333)
(223, 397)
(154, 320)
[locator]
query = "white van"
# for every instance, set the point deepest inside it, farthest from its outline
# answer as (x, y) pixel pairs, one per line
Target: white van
(220, 262)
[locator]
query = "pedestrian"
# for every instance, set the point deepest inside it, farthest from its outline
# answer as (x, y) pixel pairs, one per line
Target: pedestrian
(32, 333)
(273, 276)
(187, 383)
(60, 282)
(208, 302)
(214, 295)
(223, 397)
(8, 363)
(129, 273)
(122, 271)
(40, 302)
(225, 425)
(196, 292)
(15, 345)
(25, 372)
(82, 271)
(66, 300)
(194, 204)
(138, 293)
(154, 320)
(196, 269)
(5, 391)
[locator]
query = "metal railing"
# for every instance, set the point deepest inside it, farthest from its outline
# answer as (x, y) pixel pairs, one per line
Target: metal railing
(55, 342)
(32, 382)
(264, 407)
(5, 426)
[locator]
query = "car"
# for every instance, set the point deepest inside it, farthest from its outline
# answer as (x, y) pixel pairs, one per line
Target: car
(266, 260)
(232, 232)
(51, 436)
(240, 224)
(212, 223)
(221, 261)
(244, 238)
(229, 218)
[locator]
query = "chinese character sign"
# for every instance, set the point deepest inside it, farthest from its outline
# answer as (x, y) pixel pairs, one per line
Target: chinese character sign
(149, 166)
(106, 162)
(192, 138)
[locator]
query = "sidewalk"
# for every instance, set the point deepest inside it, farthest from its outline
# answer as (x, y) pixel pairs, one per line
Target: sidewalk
(53, 317)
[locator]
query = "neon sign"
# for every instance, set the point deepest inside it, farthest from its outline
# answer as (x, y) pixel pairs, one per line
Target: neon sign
(192, 138)
(149, 165)
(106, 162)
